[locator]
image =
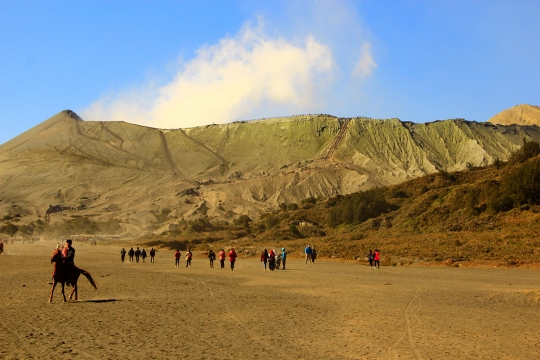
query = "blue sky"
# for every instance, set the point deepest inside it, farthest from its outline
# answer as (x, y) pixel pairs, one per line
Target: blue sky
(184, 63)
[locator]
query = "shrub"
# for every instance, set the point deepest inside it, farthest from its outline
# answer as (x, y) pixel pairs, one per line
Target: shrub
(358, 207)
(309, 200)
(243, 221)
(292, 206)
(270, 222)
(466, 199)
(201, 224)
(447, 176)
(397, 194)
(498, 163)
(523, 184)
(294, 230)
(9, 229)
(529, 150)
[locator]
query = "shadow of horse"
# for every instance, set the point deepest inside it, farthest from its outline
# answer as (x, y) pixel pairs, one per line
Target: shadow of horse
(62, 274)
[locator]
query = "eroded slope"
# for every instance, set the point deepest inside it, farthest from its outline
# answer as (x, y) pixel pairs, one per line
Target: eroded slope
(131, 173)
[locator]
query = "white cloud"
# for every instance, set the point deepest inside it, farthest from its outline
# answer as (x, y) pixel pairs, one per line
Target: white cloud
(366, 63)
(231, 80)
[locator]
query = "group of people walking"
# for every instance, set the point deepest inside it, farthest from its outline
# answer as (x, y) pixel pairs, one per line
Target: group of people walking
(273, 260)
(222, 255)
(137, 254)
(211, 256)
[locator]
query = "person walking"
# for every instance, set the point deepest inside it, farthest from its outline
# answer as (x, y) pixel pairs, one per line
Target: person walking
(377, 259)
(232, 258)
(211, 257)
(189, 255)
(313, 254)
(272, 260)
(143, 255)
(123, 254)
(307, 251)
(177, 258)
(264, 258)
(137, 254)
(370, 258)
(283, 257)
(152, 254)
(130, 254)
(222, 258)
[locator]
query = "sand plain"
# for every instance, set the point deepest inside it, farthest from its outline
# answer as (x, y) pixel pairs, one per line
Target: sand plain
(329, 310)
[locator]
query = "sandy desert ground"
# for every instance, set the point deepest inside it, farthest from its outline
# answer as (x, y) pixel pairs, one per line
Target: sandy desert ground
(329, 310)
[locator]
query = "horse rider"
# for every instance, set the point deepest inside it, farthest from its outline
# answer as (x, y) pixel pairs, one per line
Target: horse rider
(68, 253)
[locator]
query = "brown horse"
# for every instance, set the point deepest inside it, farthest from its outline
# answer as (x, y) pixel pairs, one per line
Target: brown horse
(61, 275)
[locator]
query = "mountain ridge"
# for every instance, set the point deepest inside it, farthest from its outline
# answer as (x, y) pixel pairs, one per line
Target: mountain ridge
(130, 173)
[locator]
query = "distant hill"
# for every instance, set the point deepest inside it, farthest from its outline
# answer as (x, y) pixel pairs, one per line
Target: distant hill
(149, 180)
(519, 115)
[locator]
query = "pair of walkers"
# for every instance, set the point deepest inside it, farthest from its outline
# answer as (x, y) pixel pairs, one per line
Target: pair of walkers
(273, 260)
(177, 255)
(311, 254)
(374, 258)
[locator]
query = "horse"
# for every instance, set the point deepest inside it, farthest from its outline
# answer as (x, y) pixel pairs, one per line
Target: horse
(60, 275)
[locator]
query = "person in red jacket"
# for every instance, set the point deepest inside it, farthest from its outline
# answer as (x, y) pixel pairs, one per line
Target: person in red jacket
(177, 258)
(232, 258)
(222, 258)
(377, 259)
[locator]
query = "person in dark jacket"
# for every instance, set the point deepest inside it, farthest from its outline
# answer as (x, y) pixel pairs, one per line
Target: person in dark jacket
(68, 253)
(137, 254)
(123, 255)
(152, 254)
(313, 254)
(211, 257)
(130, 254)
(143, 254)
(189, 255)
(264, 258)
